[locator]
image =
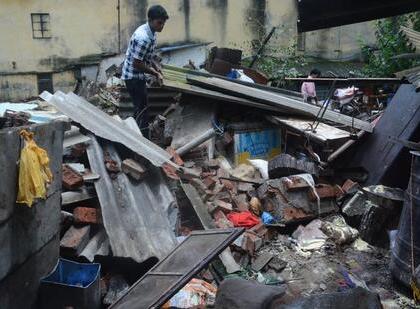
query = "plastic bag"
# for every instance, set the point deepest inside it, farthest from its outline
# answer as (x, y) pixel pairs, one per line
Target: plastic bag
(34, 171)
(195, 293)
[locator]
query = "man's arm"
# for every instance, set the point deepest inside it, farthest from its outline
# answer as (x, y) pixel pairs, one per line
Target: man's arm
(142, 67)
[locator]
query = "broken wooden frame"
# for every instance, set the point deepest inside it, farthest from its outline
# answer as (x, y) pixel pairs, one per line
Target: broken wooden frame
(167, 277)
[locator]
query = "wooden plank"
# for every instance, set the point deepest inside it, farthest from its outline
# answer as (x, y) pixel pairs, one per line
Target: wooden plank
(284, 104)
(194, 90)
(198, 205)
(324, 133)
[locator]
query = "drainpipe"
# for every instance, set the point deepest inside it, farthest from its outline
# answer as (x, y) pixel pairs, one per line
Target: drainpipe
(119, 27)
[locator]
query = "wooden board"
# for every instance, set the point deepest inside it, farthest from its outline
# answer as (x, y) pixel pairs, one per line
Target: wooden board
(194, 90)
(324, 132)
(284, 104)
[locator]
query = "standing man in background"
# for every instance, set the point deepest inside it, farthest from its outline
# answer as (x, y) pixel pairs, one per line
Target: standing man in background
(308, 88)
(140, 59)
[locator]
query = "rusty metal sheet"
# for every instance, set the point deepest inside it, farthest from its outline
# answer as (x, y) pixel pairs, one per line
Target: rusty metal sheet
(167, 277)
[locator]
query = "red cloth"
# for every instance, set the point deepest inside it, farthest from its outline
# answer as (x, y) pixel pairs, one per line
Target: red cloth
(243, 219)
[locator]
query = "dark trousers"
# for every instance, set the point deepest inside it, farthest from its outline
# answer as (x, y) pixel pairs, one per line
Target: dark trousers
(138, 93)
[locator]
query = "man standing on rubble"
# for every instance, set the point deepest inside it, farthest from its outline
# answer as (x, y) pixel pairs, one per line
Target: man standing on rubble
(308, 88)
(140, 59)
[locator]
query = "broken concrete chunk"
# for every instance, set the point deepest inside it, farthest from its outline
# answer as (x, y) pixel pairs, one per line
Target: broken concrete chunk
(71, 179)
(229, 262)
(295, 182)
(251, 242)
(310, 237)
(277, 264)
(245, 186)
(75, 240)
(286, 165)
(337, 229)
(261, 261)
(133, 169)
(243, 171)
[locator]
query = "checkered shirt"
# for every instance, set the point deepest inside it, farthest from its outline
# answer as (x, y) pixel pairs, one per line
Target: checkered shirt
(142, 46)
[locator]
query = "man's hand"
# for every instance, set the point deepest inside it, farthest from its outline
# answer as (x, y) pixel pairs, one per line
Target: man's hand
(158, 75)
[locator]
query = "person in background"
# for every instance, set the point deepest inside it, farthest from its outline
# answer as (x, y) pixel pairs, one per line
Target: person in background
(140, 59)
(308, 88)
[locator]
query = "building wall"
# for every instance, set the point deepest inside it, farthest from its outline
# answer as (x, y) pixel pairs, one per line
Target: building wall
(82, 31)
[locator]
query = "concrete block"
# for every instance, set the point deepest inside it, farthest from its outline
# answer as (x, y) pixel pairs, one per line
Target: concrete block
(294, 182)
(20, 288)
(87, 215)
(27, 231)
(75, 240)
(49, 137)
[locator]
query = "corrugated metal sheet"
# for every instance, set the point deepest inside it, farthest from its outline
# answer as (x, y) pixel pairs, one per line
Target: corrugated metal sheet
(135, 214)
(103, 125)
(412, 75)
(413, 36)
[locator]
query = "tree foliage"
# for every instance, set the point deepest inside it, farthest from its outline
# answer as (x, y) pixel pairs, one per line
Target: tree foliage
(380, 60)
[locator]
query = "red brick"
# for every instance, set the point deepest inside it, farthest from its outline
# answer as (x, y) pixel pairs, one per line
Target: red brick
(87, 215)
(210, 182)
(71, 179)
(349, 186)
(175, 156)
(326, 191)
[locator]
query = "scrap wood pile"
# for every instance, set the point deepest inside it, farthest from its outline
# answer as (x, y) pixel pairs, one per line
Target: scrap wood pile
(237, 156)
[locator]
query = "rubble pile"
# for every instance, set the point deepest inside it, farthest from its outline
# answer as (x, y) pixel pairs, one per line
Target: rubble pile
(238, 182)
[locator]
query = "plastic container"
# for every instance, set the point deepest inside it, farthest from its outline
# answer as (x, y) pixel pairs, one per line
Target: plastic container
(71, 284)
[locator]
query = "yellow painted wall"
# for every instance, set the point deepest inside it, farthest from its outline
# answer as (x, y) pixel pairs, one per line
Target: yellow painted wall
(83, 28)
(17, 87)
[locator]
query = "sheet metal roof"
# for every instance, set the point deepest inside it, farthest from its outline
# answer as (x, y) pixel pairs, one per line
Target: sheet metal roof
(135, 214)
(103, 125)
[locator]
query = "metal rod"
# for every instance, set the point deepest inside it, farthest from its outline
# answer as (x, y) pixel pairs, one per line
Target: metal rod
(261, 49)
(196, 142)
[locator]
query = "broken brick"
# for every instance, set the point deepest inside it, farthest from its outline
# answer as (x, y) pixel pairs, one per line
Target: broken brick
(260, 230)
(78, 150)
(325, 191)
(87, 215)
(71, 179)
(223, 224)
(229, 185)
(223, 206)
(133, 169)
(175, 156)
(251, 242)
(350, 186)
(293, 183)
(241, 202)
(75, 239)
(245, 187)
(218, 215)
(209, 182)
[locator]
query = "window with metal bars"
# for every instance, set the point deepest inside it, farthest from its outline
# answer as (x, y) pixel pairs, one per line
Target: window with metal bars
(41, 25)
